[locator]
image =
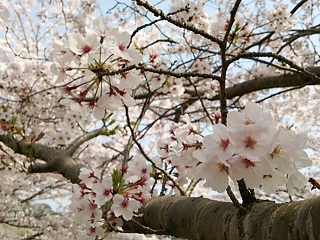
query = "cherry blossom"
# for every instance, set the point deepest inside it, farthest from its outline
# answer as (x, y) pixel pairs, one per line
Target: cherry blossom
(92, 232)
(86, 210)
(120, 194)
(215, 172)
(99, 28)
(122, 40)
(60, 70)
(283, 151)
(99, 112)
(281, 19)
(251, 172)
(188, 10)
(124, 207)
(129, 80)
(271, 181)
(218, 143)
(211, 88)
(176, 90)
(113, 98)
(251, 118)
(138, 168)
(61, 52)
(85, 47)
(250, 148)
(89, 177)
(249, 143)
(157, 82)
(295, 181)
(250, 131)
(103, 191)
(165, 147)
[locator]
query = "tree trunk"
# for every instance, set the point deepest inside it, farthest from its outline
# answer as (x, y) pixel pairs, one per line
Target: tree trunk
(200, 218)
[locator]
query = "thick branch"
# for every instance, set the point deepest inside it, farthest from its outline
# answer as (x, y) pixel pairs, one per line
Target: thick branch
(25, 148)
(281, 81)
(200, 218)
(86, 137)
(56, 160)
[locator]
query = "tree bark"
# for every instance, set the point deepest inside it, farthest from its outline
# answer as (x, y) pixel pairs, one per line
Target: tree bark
(200, 218)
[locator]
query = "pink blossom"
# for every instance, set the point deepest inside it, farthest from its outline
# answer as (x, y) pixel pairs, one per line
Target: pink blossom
(252, 172)
(86, 209)
(184, 158)
(89, 177)
(114, 98)
(124, 206)
(103, 191)
(216, 174)
(296, 180)
(157, 82)
(271, 181)
(282, 151)
(252, 118)
(138, 168)
(85, 47)
(122, 41)
(129, 80)
(165, 147)
(61, 52)
(287, 151)
(250, 132)
(98, 28)
(302, 160)
(60, 71)
(218, 143)
(176, 90)
(99, 112)
(280, 19)
(92, 232)
(249, 143)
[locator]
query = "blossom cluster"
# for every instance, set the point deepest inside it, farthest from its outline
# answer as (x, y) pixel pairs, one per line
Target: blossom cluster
(91, 57)
(101, 205)
(188, 11)
(251, 147)
(280, 19)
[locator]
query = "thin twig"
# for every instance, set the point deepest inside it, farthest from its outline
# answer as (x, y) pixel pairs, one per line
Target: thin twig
(235, 200)
(145, 155)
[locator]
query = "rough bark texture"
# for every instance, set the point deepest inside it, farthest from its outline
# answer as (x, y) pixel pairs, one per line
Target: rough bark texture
(200, 218)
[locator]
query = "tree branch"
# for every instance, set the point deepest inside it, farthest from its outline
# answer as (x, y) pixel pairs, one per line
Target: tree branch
(201, 218)
(56, 160)
(103, 131)
(281, 81)
(180, 24)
